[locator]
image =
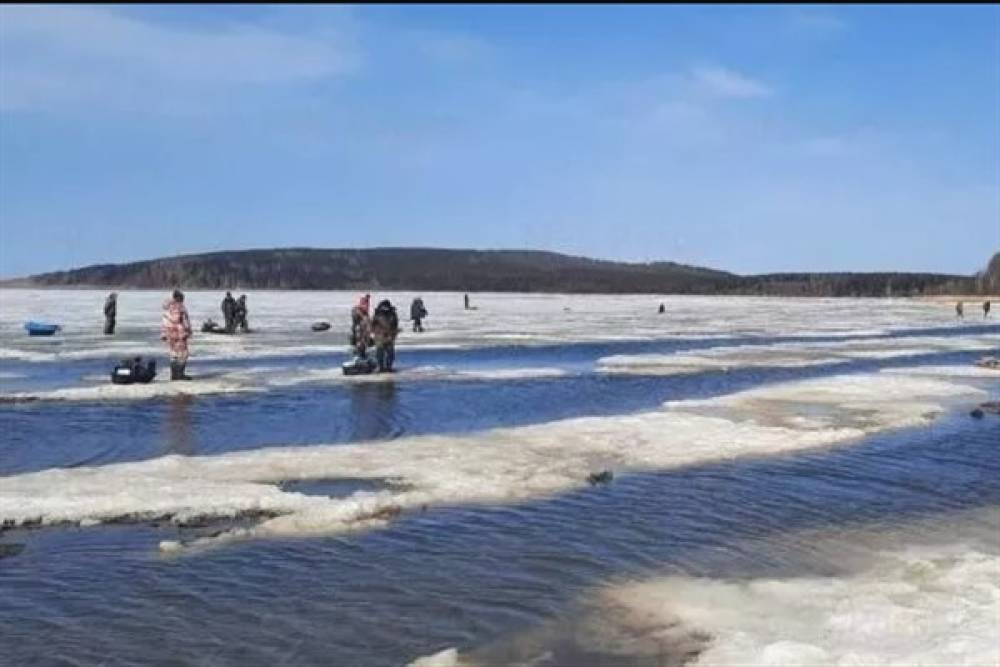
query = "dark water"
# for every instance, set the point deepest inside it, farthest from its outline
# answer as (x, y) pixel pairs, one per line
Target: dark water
(461, 577)
(41, 435)
(456, 576)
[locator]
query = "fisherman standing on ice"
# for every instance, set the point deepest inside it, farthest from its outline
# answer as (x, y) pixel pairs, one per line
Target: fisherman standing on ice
(986, 308)
(175, 330)
(110, 313)
(418, 313)
(385, 328)
(361, 327)
(959, 310)
(229, 312)
(241, 313)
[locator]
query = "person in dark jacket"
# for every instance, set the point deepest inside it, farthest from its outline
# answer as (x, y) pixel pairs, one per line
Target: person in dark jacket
(986, 308)
(110, 313)
(385, 328)
(240, 313)
(959, 310)
(229, 312)
(418, 313)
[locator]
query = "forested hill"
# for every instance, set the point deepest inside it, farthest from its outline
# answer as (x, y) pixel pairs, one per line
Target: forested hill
(423, 269)
(426, 269)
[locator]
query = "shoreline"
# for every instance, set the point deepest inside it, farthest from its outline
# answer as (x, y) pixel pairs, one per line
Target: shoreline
(972, 298)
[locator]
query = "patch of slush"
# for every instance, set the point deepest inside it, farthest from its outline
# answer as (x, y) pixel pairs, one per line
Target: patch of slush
(908, 604)
(924, 592)
(971, 372)
(261, 379)
(446, 658)
(863, 401)
(135, 392)
(511, 373)
(790, 354)
(497, 466)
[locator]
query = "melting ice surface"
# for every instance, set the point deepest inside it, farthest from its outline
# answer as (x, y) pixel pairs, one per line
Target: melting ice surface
(926, 593)
(468, 531)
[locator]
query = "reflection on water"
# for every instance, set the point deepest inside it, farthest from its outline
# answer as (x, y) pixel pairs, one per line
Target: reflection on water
(179, 435)
(78, 434)
(373, 409)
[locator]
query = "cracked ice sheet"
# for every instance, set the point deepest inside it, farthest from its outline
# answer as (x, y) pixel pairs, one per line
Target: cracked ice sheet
(281, 320)
(498, 466)
(790, 354)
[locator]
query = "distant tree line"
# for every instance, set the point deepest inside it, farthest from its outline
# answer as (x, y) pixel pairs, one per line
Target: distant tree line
(425, 269)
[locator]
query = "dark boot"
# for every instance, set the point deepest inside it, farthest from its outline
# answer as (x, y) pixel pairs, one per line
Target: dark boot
(174, 370)
(181, 375)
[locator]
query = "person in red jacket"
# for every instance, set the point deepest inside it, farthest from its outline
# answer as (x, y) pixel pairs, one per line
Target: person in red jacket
(175, 330)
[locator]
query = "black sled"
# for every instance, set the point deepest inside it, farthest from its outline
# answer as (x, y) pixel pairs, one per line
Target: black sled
(359, 366)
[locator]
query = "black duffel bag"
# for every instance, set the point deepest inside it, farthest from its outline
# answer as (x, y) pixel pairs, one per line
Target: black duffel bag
(130, 371)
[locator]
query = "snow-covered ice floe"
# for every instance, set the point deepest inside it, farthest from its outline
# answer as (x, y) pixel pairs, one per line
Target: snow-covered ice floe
(791, 354)
(930, 606)
(921, 593)
(264, 378)
(918, 593)
(971, 372)
(497, 466)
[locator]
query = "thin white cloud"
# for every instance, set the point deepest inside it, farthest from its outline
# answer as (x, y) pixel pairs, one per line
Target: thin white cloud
(816, 21)
(723, 82)
(451, 48)
(56, 56)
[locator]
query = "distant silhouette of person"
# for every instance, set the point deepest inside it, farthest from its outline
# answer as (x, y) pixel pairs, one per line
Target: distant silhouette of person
(959, 310)
(241, 313)
(663, 309)
(986, 308)
(418, 313)
(229, 312)
(466, 301)
(110, 313)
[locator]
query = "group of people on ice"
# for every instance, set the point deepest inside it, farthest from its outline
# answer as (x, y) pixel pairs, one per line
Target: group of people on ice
(960, 309)
(234, 313)
(377, 329)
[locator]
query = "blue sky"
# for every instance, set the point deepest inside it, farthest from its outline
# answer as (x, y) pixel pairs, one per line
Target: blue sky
(745, 138)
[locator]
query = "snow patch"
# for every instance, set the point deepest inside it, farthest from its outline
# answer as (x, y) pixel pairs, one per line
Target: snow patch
(915, 606)
(790, 354)
(445, 658)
